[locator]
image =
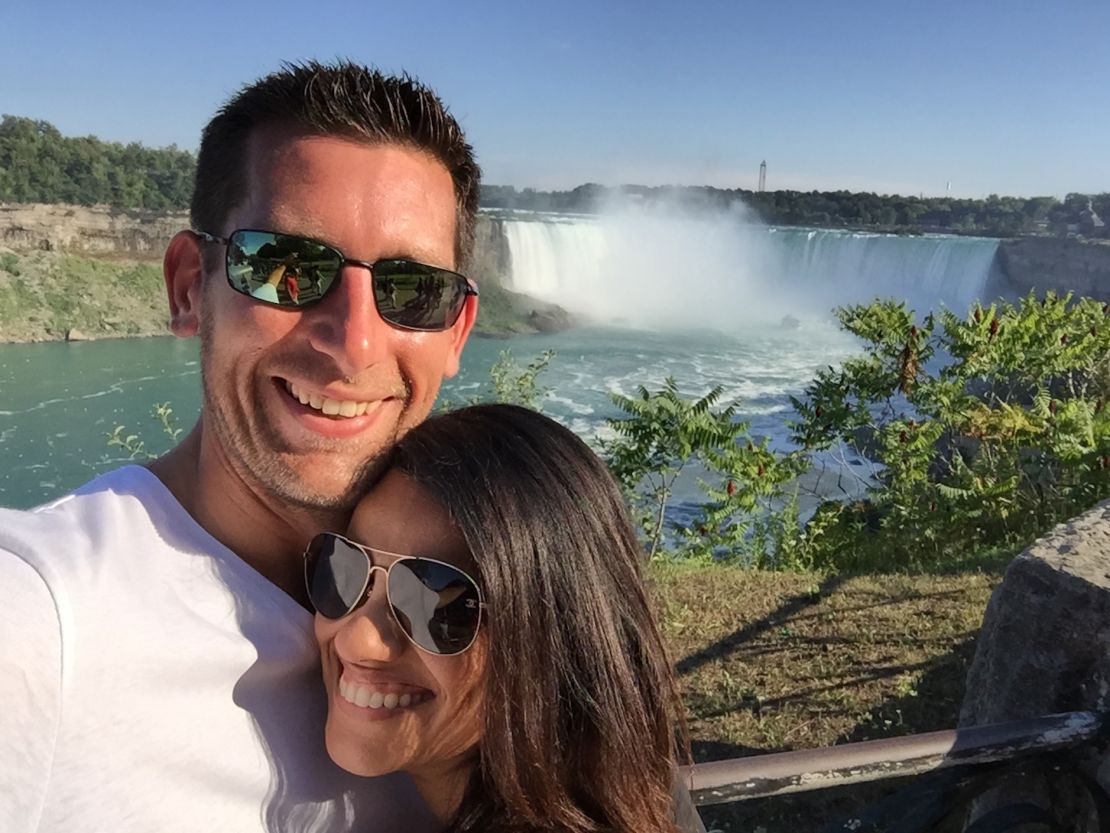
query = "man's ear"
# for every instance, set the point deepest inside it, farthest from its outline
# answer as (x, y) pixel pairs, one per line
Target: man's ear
(459, 333)
(183, 270)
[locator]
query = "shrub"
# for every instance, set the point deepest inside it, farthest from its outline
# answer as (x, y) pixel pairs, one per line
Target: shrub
(987, 429)
(664, 434)
(9, 262)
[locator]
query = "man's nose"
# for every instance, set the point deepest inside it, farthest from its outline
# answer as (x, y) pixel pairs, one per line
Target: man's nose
(346, 325)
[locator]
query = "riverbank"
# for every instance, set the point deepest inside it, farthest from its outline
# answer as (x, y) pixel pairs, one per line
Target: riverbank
(76, 273)
(59, 296)
(54, 296)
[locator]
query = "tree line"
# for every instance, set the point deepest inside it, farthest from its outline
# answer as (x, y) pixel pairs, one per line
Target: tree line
(994, 216)
(39, 164)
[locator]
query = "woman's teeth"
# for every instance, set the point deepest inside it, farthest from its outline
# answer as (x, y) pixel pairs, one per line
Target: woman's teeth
(368, 698)
(330, 407)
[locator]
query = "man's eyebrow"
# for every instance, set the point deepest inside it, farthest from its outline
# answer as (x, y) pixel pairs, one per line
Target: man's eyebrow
(309, 228)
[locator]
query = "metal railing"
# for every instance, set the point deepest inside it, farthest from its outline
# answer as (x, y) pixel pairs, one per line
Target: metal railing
(964, 764)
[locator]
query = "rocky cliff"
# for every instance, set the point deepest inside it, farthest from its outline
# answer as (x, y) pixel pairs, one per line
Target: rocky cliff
(1060, 264)
(97, 230)
(89, 230)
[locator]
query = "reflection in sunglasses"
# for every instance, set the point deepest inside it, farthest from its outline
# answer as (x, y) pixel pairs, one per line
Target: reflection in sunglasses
(419, 608)
(292, 271)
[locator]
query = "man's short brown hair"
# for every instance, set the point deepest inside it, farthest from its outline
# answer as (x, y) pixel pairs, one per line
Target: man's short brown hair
(343, 99)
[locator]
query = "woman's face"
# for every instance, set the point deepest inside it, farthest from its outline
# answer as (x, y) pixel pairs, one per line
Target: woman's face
(435, 718)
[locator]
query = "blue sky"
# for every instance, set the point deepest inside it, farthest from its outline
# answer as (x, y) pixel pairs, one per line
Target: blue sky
(1000, 97)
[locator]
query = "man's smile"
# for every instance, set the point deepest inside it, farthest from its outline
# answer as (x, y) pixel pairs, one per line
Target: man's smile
(341, 408)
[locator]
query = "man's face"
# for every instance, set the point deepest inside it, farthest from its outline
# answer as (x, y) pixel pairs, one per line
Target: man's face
(275, 378)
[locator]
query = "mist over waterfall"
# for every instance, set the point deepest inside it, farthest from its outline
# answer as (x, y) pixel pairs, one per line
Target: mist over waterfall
(657, 269)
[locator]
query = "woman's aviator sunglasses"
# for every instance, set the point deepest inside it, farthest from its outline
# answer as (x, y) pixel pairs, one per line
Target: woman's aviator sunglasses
(290, 271)
(437, 605)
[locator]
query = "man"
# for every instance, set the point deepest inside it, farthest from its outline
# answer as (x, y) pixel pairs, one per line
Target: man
(157, 668)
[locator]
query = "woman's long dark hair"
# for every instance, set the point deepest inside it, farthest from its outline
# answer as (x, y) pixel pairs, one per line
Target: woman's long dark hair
(579, 726)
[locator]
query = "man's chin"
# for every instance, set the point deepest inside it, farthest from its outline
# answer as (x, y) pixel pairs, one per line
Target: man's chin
(324, 489)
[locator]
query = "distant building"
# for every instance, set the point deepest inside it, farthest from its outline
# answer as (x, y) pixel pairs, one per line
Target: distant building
(763, 176)
(1090, 224)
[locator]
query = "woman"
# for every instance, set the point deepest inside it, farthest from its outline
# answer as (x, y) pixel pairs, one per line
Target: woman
(513, 667)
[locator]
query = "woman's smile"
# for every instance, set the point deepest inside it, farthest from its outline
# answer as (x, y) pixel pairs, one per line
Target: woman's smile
(379, 697)
(392, 704)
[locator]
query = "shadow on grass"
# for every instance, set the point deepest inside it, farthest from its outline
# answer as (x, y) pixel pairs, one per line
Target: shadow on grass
(726, 645)
(933, 704)
(718, 750)
(888, 672)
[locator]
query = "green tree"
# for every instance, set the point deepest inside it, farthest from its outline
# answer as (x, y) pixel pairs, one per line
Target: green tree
(987, 428)
(510, 383)
(39, 164)
(663, 434)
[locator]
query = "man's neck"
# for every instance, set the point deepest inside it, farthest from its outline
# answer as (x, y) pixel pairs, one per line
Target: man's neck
(267, 535)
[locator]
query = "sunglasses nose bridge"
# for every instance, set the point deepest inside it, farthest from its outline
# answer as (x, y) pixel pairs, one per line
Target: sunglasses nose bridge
(373, 633)
(346, 325)
(363, 264)
(371, 583)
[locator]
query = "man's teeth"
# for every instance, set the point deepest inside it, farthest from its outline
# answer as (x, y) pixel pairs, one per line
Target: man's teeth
(330, 407)
(368, 698)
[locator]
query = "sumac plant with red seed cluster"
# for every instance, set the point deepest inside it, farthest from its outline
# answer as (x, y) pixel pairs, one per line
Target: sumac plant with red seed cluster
(986, 429)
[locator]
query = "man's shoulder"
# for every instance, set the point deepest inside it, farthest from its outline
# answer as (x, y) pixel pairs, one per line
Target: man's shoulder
(110, 507)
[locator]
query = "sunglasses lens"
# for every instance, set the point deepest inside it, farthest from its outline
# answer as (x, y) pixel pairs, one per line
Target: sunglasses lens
(418, 297)
(436, 604)
(336, 575)
(281, 269)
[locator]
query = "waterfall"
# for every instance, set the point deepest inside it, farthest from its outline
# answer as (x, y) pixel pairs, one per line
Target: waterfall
(661, 269)
(927, 271)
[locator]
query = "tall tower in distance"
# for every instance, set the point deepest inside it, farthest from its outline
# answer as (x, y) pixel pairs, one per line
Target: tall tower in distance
(763, 176)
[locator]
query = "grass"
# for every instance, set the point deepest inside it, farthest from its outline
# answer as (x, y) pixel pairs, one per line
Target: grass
(770, 662)
(44, 295)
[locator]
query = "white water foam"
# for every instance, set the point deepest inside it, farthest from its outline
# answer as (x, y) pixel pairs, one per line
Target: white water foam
(660, 268)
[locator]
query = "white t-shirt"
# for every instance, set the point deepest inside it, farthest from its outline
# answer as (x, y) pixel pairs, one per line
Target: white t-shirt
(150, 680)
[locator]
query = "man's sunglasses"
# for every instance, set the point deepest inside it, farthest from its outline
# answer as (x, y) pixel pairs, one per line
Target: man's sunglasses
(437, 605)
(290, 271)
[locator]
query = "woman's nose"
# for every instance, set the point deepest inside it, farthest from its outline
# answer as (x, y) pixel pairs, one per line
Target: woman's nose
(371, 634)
